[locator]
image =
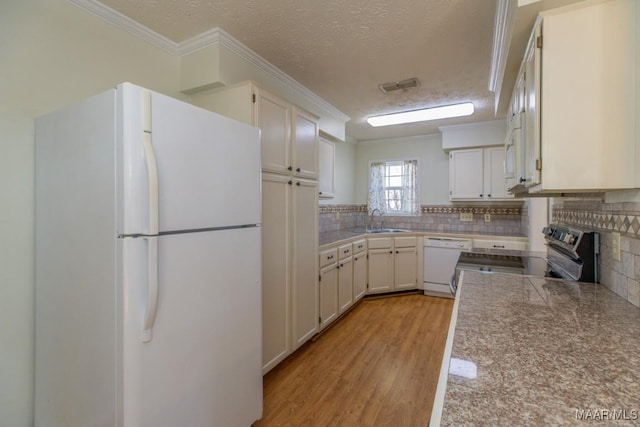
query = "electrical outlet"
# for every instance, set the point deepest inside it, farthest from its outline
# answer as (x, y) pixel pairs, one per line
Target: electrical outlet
(337, 215)
(615, 246)
(487, 217)
(466, 216)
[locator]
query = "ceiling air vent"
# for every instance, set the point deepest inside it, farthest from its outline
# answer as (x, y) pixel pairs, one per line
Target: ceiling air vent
(404, 84)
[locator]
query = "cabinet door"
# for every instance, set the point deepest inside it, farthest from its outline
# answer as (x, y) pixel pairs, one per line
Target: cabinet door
(305, 261)
(345, 285)
(466, 174)
(276, 285)
(495, 183)
(405, 268)
(328, 295)
(359, 276)
(531, 140)
(305, 146)
(273, 117)
(326, 168)
(380, 270)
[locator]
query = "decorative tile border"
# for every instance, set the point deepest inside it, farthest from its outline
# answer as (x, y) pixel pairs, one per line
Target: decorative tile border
(326, 209)
(431, 209)
(622, 222)
(493, 210)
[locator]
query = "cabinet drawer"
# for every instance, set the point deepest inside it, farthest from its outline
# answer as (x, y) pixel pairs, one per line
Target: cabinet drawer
(380, 242)
(500, 244)
(344, 251)
(359, 246)
(328, 256)
(405, 242)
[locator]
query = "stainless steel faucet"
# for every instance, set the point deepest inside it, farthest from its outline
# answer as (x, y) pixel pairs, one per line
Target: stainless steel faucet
(379, 215)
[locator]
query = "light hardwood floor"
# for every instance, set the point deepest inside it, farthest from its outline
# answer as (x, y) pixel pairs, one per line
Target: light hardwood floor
(378, 366)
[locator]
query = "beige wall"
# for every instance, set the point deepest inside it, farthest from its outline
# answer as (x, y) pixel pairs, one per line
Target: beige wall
(52, 53)
(433, 165)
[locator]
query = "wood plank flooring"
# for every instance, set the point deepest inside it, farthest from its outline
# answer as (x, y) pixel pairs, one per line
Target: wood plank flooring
(378, 366)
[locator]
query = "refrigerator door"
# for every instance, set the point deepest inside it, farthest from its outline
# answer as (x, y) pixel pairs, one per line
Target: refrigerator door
(206, 167)
(203, 366)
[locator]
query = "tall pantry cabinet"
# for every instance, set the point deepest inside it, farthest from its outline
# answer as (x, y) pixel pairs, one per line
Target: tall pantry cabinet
(289, 212)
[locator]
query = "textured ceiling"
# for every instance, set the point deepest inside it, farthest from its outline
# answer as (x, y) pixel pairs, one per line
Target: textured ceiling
(342, 49)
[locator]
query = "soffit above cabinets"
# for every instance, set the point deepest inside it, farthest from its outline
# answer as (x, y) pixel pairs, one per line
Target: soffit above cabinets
(343, 49)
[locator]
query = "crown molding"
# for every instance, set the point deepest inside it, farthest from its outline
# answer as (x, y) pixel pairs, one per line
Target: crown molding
(503, 30)
(127, 24)
(208, 38)
(219, 36)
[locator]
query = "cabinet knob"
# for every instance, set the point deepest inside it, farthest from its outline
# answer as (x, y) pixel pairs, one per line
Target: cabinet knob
(290, 168)
(297, 169)
(390, 252)
(397, 252)
(320, 193)
(522, 180)
(481, 195)
(488, 195)
(290, 182)
(298, 183)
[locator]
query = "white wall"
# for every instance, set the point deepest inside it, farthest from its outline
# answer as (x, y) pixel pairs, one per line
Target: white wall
(52, 54)
(433, 164)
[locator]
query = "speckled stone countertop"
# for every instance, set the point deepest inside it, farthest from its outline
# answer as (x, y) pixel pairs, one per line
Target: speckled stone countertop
(547, 352)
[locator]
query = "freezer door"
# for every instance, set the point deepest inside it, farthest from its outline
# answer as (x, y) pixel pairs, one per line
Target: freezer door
(203, 365)
(208, 166)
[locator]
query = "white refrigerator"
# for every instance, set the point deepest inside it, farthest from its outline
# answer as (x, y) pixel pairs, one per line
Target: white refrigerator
(148, 266)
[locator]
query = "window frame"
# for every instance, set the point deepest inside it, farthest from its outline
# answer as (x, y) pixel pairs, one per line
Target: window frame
(388, 161)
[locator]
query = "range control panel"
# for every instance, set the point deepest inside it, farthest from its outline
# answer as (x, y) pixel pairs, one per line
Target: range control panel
(563, 236)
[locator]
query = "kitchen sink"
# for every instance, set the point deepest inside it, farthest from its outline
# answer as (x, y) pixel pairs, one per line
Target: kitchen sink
(388, 230)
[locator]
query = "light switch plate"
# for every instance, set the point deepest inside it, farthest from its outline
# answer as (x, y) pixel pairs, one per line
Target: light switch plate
(615, 246)
(487, 217)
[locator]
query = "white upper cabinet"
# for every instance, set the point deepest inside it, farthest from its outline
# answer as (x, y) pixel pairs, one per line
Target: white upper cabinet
(477, 174)
(466, 174)
(305, 144)
(326, 168)
(289, 133)
(273, 117)
(580, 112)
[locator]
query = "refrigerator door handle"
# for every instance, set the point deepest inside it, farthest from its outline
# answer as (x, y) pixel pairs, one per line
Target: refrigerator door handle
(152, 166)
(152, 289)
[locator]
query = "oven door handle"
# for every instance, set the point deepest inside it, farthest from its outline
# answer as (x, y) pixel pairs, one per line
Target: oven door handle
(452, 285)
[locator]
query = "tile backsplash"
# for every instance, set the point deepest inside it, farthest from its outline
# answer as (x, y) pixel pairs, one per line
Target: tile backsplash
(622, 276)
(507, 220)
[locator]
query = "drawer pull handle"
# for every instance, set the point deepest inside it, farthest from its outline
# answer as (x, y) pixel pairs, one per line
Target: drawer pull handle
(498, 246)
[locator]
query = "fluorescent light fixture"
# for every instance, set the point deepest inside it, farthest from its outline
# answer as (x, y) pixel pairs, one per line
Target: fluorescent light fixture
(434, 113)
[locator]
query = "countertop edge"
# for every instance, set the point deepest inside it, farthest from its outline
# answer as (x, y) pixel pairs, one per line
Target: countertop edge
(438, 401)
(427, 234)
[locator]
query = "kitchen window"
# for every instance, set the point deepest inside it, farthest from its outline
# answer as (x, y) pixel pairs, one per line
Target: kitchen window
(393, 187)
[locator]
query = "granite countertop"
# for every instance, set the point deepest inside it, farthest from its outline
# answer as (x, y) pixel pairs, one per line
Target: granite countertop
(546, 351)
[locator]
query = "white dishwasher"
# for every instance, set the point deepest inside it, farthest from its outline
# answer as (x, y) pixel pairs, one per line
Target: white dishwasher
(440, 258)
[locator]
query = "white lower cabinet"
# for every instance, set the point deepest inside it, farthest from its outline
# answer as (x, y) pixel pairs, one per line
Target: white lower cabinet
(328, 294)
(345, 278)
(359, 269)
(380, 265)
(405, 268)
(393, 264)
(500, 244)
